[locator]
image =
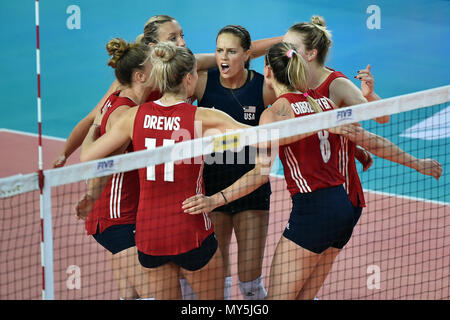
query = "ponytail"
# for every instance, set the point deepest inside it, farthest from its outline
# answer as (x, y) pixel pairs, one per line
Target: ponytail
(289, 69)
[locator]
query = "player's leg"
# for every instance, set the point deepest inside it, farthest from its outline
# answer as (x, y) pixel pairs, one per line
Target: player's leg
(161, 278)
(250, 227)
(119, 241)
(223, 228)
(126, 289)
(207, 282)
(317, 278)
(135, 274)
(162, 283)
(203, 269)
(291, 267)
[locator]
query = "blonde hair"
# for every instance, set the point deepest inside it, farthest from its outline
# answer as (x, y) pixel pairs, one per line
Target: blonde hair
(316, 36)
(151, 29)
(289, 69)
(170, 64)
(126, 58)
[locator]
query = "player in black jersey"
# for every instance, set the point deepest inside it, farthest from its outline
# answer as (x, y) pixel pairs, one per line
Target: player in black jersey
(240, 92)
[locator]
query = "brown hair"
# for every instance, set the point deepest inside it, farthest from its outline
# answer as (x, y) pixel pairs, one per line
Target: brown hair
(126, 58)
(170, 64)
(242, 34)
(289, 69)
(316, 36)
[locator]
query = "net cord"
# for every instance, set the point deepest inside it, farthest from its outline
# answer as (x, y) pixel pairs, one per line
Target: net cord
(18, 184)
(258, 134)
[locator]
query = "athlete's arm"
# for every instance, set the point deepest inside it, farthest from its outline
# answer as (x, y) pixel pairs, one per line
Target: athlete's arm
(86, 203)
(215, 121)
(364, 157)
(205, 61)
(246, 184)
(367, 90)
(267, 151)
(258, 47)
(95, 186)
(385, 149)
(344, 93)
(80, 131)
(113, 140)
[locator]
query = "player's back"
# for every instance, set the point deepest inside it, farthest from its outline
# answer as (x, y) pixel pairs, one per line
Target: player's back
(347, 160)
(162, 228)
(311, 163)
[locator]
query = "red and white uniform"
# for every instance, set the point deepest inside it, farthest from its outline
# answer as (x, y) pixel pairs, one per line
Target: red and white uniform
(162, 228)
(347, 153)
(118, 201)
(310, 163)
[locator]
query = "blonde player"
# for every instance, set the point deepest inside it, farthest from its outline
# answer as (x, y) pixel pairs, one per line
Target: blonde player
(168, 240)
(322, 217)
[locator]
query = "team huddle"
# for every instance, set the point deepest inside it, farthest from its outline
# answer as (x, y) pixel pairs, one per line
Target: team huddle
(168, 227)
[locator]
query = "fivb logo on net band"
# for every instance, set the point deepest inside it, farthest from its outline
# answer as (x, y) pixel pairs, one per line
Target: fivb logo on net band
(344, 115)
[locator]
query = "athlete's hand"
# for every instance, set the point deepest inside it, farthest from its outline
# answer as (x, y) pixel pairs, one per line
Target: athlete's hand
(60, 161)
(364, 157)
(198, 204)
(84, 207)
(430, 167)
(344, 129)
(367, 81)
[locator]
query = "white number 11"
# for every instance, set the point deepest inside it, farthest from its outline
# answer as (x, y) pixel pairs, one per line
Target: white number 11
(150, 143)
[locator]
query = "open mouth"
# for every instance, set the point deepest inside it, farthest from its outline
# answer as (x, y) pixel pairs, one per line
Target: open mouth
(224, 67)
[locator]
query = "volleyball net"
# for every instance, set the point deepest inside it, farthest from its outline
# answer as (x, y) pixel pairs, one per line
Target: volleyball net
(399, 249)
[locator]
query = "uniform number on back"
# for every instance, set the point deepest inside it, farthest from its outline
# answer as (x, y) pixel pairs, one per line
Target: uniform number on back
(325, 148)
(150, 143)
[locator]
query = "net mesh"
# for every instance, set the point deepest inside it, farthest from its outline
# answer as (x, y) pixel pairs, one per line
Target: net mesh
(399, 248)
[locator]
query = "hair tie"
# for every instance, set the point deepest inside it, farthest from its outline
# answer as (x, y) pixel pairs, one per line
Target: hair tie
(290, 52)
(305, 94)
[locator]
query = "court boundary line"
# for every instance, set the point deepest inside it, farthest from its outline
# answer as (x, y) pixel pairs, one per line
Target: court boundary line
(29, 134)
(387, 194)
(276, 175)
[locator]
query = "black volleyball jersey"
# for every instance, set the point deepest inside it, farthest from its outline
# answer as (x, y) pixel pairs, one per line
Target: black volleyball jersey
(245, 105)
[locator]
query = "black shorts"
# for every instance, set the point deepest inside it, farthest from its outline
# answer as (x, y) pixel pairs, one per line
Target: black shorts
(257, 200)
(192, 260)
(357, 211)
(321, 219)
(218, 177)
(117, 238)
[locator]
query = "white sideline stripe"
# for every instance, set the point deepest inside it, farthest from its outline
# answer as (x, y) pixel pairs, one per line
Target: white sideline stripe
(23, 133)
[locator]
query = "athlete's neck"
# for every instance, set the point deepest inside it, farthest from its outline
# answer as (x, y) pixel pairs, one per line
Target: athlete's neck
(317, 75)
(281, 89)
(138, 94)
(169, 99)
(236, 81)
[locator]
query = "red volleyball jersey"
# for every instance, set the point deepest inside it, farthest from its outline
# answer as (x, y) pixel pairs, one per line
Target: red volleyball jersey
(162, 228)
(118, 201)
(154, 95)
(310, 163)
(347, 154)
